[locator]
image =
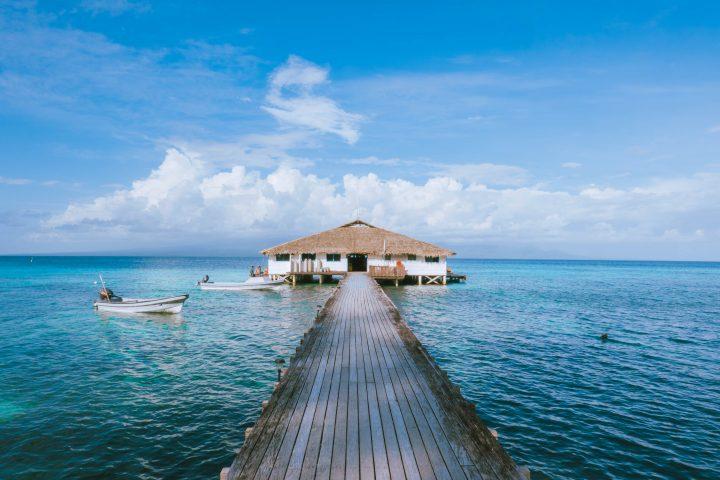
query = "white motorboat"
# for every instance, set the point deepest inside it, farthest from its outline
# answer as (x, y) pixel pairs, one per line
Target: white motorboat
(252, 283)
(109, 302)
(142, 305)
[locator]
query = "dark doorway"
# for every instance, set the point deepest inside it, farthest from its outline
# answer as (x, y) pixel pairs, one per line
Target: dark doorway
(357, 262)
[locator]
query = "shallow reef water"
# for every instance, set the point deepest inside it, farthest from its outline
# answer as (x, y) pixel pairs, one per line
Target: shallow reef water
(89, 395)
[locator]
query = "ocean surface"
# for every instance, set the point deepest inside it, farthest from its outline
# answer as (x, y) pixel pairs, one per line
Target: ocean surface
(87, 395)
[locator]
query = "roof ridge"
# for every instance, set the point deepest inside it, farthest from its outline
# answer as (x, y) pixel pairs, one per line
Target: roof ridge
(357, 221)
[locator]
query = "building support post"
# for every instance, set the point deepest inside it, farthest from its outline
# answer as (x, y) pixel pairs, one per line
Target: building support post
(321, 279)
(444, 279)
(294, 278)
(397, 282)
(419, 279)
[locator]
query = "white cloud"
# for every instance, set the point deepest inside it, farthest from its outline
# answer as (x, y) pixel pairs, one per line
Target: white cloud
(14, 181)
(571, 165)
(714, 129)
(82, 77)
(596, 193)
(255, 150)
(185, 197)
(373, 160)
(292, 101)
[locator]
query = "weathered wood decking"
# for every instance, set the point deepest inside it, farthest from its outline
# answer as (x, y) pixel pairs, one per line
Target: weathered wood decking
(362, 399)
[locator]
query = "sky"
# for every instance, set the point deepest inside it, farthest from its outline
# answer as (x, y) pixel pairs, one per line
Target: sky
(579, 130)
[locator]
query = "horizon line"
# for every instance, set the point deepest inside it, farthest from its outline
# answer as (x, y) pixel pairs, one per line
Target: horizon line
(514, 259)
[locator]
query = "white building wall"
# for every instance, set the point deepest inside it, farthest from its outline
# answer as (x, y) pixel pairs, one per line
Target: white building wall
(340, 266)
(413, 267)
(277, 268)
(283, 267)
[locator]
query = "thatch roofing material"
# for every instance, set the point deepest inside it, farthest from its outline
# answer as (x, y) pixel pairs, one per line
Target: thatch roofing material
(359, 237)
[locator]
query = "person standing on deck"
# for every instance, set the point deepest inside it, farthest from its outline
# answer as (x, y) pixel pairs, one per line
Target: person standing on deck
(252, 270)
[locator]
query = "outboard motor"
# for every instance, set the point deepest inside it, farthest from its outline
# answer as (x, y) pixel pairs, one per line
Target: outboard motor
(109, 296)
(205, 279)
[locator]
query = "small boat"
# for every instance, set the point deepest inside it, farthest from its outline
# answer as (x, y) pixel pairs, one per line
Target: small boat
(252, 283)
(109, 302)
(142, 305)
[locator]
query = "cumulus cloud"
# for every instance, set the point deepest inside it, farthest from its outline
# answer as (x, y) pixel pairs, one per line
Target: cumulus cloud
(184, 195)
(291, 99)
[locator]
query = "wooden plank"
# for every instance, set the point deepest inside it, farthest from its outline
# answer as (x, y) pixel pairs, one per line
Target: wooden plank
(312, 449)
(324, 463)
(381, 443)
(289, 421)
(339, 446)
(352, 457)
(432, 409)
(300, 443)
(363, 400)
(367, 464)
(439, 445)
(254, 447)
(481, 449)
(397, 422)
(392, 445)
(429, 401)
(427, 453)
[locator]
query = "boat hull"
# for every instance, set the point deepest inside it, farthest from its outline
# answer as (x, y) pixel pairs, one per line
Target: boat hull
(144, 305)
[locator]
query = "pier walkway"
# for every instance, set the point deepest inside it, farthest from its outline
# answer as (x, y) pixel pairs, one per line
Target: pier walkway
(362, 399)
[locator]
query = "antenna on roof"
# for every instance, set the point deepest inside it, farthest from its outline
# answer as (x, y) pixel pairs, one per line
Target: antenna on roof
(357, 213)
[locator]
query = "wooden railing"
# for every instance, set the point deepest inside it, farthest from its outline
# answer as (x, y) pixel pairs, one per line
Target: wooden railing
(387, 272)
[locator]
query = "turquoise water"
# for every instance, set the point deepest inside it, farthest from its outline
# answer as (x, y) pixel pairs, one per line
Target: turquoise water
(84, 395)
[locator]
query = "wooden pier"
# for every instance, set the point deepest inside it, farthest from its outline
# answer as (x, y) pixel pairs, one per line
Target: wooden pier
(363, 399)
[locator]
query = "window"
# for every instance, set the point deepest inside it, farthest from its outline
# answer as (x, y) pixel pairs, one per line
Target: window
(282, 257)
(307, 256)
(432, 259)
(412, 257)
(332, 257)
(388, 257)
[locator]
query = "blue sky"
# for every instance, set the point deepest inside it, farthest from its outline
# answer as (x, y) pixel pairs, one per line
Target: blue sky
(568, 130)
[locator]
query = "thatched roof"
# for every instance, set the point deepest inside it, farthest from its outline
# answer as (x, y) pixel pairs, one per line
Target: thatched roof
(359, 237)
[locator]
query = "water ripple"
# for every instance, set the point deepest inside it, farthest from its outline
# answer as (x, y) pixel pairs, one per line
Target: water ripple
(522, 339)
(86, 395)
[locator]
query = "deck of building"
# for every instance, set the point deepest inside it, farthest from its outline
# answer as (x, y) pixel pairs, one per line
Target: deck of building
(363, 399)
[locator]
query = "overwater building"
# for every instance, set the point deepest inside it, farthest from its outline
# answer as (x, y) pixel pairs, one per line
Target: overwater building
(360, 247)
